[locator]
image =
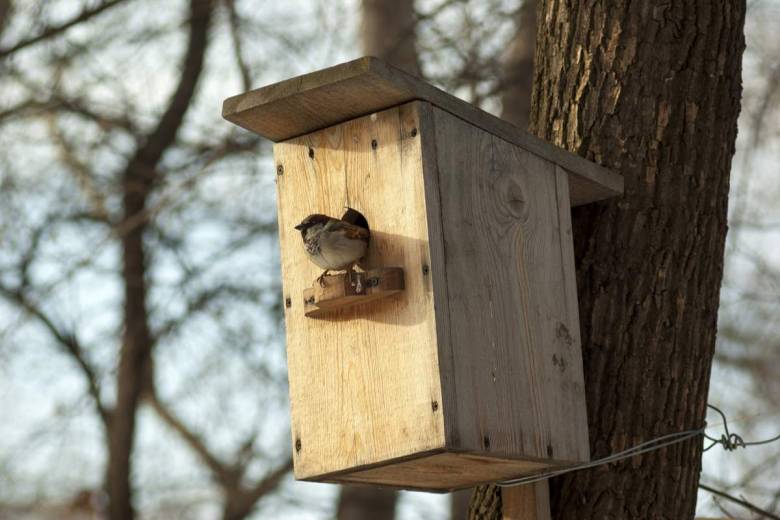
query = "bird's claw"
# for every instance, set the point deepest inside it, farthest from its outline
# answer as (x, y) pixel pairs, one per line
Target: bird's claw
(321, 279)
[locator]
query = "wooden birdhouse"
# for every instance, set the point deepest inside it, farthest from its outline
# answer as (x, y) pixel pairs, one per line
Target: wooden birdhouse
(457, 359)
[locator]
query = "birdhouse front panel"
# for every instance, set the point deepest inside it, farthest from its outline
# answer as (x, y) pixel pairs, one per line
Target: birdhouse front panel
(364, 380)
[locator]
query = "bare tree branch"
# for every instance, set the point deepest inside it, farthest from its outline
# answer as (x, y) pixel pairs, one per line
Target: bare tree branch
(235, 35)
(270, 482)
(81, 173)
(60, 104)
(217, 467)
(138, 179)
(743, 503)
(174, 191)
(68, 341)
(54, 30)
(145, 160)
(239, 501)
(201, 301)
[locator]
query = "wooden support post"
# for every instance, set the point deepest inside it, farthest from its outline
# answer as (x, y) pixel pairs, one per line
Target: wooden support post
(528, 502)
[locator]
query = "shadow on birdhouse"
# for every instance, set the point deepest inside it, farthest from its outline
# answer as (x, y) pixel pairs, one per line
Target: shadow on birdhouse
(472, 371)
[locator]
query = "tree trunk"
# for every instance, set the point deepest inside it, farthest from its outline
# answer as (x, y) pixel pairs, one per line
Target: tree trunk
(652, 90)
(486, 503)
(139, 179)
(459, 503)
(519, 68)
(6, 9)
(364, 502)
(388, 32)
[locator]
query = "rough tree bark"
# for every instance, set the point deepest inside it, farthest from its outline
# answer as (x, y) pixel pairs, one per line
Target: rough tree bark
(388, 32)
(139, 178)
(652, 90)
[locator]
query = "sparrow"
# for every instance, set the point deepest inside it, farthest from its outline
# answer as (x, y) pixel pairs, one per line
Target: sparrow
(335, 244)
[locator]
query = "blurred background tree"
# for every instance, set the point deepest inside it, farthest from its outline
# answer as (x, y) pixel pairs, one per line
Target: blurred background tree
(141, 346)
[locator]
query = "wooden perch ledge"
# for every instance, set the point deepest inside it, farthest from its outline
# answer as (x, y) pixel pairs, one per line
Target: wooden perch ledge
(345, 290)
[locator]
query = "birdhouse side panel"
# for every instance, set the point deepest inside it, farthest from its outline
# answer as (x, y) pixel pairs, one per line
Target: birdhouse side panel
(516, 384)
(364, 380)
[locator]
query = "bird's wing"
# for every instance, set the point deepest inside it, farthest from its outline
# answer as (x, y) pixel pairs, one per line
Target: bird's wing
(351, 231)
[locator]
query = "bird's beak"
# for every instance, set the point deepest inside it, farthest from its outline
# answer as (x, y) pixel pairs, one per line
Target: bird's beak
(299, 227)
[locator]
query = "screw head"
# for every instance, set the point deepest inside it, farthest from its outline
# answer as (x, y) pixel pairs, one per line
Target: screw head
(279, 169)
(374, 144)
(434, 405)
(414, 132)
(298, 445)
(288, 302)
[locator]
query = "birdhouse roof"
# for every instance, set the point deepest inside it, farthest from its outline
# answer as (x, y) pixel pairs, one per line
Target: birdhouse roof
(320, 99)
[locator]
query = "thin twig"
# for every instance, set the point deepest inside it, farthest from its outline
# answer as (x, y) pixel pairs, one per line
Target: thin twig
(54, 30)
(743, 503)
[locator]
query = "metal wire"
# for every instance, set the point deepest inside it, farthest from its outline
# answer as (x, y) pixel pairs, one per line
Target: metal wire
(729, 441)
(654, 444)
(732, 441)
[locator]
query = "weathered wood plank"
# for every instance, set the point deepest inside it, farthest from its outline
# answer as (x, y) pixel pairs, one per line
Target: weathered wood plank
(528, 502)
(357, 288)
(326, 97)
(364, 384)
(517, 376)
(442, 471)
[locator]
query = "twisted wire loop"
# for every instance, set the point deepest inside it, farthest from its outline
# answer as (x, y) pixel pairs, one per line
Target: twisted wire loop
(732, 441)
(728, 440)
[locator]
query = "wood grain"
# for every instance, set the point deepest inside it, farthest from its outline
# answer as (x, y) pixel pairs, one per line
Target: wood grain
(527, 502)
(517, 382)
(364, 384)
(320, 99)
(443, 472)
(345, 290)
(473, 373)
